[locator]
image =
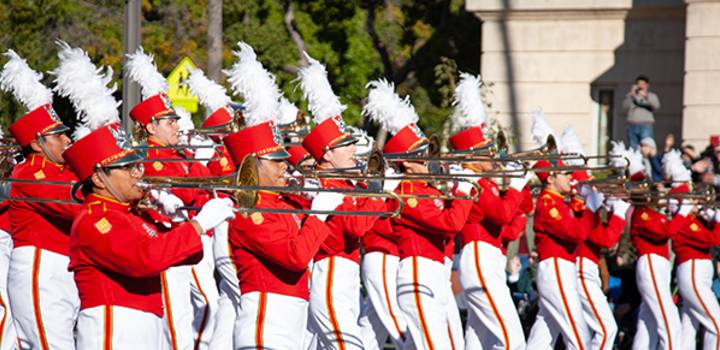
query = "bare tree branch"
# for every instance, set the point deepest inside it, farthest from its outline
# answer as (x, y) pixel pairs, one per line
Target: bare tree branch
(215, 42)
(289, 20)
(377, 43)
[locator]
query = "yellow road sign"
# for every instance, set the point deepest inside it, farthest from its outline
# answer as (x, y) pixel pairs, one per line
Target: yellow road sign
(177, 91)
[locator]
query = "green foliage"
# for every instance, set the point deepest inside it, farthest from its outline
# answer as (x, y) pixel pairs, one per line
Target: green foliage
(360, 40)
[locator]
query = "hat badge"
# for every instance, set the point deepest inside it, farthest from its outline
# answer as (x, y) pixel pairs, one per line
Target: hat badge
(51, 112)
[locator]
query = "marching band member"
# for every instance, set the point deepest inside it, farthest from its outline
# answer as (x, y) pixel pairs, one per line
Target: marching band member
(189, 292)
(272, 251)
(43, 296)
(695, 270)
(558, 233)
(650, 231)
(8, 337)
(493, 322)
(596, 309)
(214, 97)
(335, 287)
(424, 228)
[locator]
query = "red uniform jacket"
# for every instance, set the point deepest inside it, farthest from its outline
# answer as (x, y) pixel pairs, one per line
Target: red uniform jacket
(558, 231)
(694, 240)
(650, 231)
(426, 226)
(224, 165)
(352, 228)
(602, 236)
(117, 257)
(490, 213)
(517, 226)
(381, 238)
(38, 224)
(272, 251)
(5, 217)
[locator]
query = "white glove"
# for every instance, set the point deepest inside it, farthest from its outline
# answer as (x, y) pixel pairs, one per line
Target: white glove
(685, 209)
(717, 216)
(620, 208)
(585, 190)
(203, 152)
(311, 183)
(326, 201)
(594, 200)
(708, 214)
(672, 205)
(515, 182)
(214, 213)
(466, 183)
(390, 185)
(169, 203)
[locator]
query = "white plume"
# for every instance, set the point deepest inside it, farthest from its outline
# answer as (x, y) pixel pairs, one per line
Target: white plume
(185, 122)
(211, 94)
(468, 103)
(387, 108)
(674, 168)
(256, 85)
(23, 82)
(288, 112)
(541, 129)
(622, 155)
(571, 144)
(86, 86)
(322, 102)
(141, 68)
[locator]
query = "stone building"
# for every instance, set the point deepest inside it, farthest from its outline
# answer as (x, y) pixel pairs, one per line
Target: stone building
(578, 58)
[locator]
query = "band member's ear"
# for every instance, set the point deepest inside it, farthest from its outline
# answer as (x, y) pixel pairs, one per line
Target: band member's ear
(96, 181)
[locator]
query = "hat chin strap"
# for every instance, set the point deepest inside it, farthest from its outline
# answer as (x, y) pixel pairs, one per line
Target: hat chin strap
(46, 151)
(108, 185)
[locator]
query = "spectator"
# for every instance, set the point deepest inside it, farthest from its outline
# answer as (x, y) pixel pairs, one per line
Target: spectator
(651, 159)
(640, 105)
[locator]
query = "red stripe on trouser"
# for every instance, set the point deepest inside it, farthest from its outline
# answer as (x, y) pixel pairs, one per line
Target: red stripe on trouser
(421, 315)
(203, 322)
(168, 310)
(660, 303)
(702, 303)
(566, 306)
(387, 298)
(490, 298)
(107, 335)
(329, 304)
(592, 305)
(4, 318)
(36, 299)
(260, 322)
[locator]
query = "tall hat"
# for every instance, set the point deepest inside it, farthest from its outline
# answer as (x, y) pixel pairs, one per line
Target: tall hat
(397, 116)
(674, 169)
(571, 145)
(330, 130)
(99, 141)
(153, 86)
(24, 83)
(260, 137)
(298, 154)
(213, 96)
(541, 130)
(634, 162)
(469, 117)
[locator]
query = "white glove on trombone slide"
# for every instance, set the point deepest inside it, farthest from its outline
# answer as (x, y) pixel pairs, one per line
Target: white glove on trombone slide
(465, 185)
(203, 153)
(618, 207)
(390, 184)
(593, 198)
(518, 183)
(214, 213)
(169, 203)
(326, 201)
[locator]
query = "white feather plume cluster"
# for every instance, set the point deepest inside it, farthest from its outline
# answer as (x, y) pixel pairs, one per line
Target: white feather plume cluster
(540, 128)
(468, 103)
(23, 82)
(385, 107)
(571, 144)
(185, 122)
(322, 102)
(255, 84)
(86, 86)
(211, 94)
(141, 68)
(288, 112)
(622, 155)
(674, 168)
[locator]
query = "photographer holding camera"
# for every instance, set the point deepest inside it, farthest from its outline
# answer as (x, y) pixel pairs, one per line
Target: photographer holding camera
(640, 105)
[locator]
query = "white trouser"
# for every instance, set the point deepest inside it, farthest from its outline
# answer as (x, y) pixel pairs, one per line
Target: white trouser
(229, 287)
(178, 316)
(381, 316)
(270, 321)
(699, 305)
(492, 315)
(204, 293)
(658, 317)
(43, 297)
(455, 328)
(561, 311)
(335, 303)
(422, 290)
(8, 338)
(596, 309)
(117, 327)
